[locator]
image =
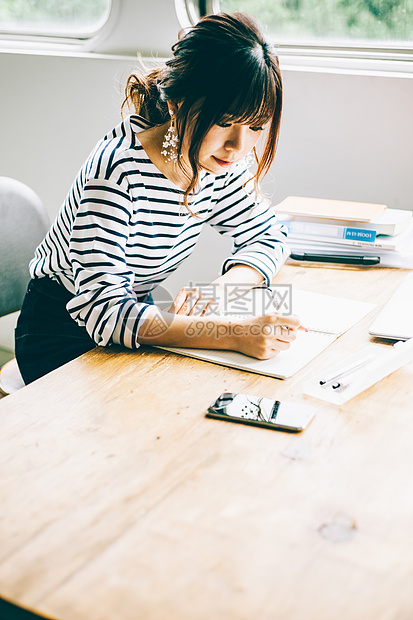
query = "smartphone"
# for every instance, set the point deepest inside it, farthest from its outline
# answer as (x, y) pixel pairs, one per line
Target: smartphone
(260, 411)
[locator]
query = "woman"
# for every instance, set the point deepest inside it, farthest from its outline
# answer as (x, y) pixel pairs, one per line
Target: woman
(138, 204)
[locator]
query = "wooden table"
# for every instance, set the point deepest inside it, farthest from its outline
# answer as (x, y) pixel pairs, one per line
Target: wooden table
(121, 501)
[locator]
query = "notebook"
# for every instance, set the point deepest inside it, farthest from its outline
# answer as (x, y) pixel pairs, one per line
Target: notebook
(326, 318)
(389, 222)
(332, 209)
(396, 318)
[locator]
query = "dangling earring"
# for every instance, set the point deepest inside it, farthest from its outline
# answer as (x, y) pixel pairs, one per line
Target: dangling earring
(249, 159)
(170, 141)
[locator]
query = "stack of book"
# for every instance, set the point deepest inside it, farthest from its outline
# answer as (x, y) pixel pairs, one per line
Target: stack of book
(347, 232)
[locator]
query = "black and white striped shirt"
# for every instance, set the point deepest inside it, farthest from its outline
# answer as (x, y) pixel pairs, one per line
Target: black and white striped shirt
(123, 229)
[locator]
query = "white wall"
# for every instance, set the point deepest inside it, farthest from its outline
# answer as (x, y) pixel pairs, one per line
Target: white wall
(347, 136)
(344, 135)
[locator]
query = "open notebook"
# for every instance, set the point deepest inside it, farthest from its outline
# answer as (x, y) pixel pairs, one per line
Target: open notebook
(326, 318)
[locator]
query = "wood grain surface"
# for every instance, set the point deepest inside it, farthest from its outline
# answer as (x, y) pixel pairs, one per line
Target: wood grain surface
(120, 500)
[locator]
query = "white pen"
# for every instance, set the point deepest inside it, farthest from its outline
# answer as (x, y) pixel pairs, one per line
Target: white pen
(400, 346)
(346, 370)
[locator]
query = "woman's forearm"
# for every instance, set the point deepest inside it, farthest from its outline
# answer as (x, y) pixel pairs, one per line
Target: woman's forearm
(177, 330)
(261, 337)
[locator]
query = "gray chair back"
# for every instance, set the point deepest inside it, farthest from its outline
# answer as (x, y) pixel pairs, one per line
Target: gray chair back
(23, 225)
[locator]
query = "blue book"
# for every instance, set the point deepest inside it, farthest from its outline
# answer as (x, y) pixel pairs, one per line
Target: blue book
(330, 231)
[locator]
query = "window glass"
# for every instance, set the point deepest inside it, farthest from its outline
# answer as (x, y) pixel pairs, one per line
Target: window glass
(74, 18)
(373, 23)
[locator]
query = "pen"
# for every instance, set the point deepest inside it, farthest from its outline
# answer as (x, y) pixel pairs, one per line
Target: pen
(337, 258)
(345, 371)
(300, 328)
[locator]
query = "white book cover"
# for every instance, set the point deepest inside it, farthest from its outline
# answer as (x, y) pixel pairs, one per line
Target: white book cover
(396, 318)
(386, 243)
(390, 222)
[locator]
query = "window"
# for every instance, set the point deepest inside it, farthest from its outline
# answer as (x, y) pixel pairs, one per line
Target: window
(373, 28)
(66, 18)
(387, 23)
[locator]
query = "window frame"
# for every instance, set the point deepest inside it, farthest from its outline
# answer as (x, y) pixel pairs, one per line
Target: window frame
(30, 38)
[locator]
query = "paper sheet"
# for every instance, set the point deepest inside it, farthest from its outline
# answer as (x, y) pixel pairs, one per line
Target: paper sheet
(326, 316)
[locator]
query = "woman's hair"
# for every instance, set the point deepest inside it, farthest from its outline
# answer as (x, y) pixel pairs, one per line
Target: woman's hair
(222, 70)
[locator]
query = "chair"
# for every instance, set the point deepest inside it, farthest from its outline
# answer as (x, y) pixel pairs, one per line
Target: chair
(23, 225)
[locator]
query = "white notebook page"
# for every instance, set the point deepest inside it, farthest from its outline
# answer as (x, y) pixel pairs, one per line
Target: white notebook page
(325, 316)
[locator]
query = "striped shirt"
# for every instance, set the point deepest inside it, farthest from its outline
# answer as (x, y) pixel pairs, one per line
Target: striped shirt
(123, 229)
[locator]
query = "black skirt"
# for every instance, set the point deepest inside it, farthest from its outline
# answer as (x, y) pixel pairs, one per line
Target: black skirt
(46, 336)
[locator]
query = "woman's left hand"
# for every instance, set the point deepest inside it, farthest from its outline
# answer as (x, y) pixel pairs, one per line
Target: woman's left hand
(199, 300)
(211, 299)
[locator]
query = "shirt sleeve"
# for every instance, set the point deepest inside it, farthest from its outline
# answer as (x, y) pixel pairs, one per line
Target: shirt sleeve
(258, 239)
(105, 302)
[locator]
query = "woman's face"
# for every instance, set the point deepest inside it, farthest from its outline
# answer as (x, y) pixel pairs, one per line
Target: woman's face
(226, 144)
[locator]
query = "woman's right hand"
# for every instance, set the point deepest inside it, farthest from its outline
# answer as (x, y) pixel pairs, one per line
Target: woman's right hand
(265, 336)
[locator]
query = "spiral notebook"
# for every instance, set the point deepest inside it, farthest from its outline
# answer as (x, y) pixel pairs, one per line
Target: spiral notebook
(326, 318)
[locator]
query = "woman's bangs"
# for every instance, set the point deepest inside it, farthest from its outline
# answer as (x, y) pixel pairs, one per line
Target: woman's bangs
(254, 105)
(249, 115)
